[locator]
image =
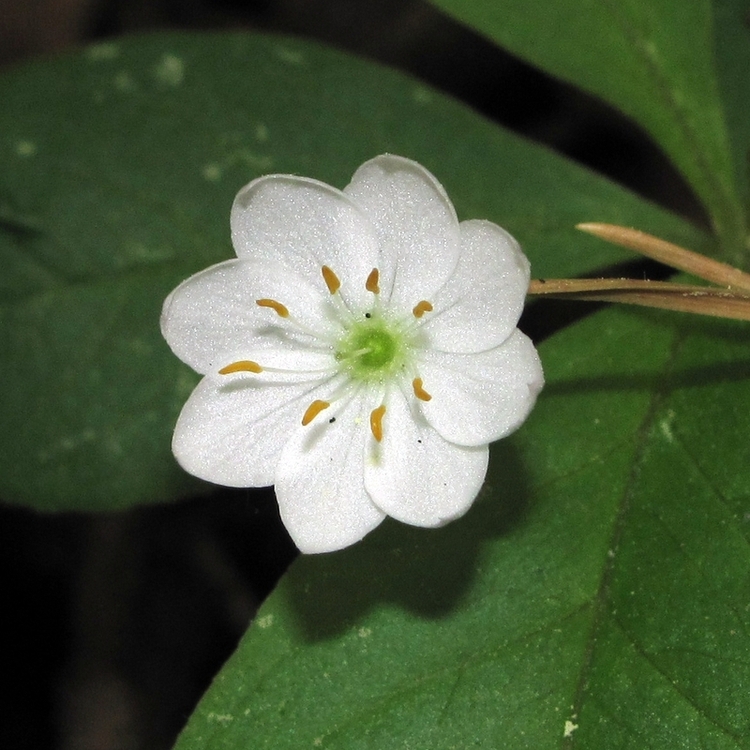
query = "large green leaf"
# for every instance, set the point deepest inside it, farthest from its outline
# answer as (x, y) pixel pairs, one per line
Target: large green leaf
(118, 166)
(732, 53)
(656, 60)
(595, 597)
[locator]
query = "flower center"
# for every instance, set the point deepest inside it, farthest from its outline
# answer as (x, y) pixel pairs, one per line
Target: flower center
(371, 350)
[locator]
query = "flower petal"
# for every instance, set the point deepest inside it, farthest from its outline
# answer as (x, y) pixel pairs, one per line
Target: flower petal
(319, 482)
(215, 312)
(306, 224)
(480, 304)
(233, 435)
(416, 226)
(478, 398)
(418, 477)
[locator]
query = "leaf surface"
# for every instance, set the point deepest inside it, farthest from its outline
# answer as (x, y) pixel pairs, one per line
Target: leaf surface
(677, 69)
(596, 596)
(118, 167)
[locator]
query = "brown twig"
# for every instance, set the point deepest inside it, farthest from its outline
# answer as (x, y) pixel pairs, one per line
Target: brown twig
(721, 303)
(670, 254)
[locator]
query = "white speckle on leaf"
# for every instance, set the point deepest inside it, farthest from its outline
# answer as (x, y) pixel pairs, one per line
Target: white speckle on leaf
(170, 70)
(318, 741)
(422, 95)
(265, 622)
(243, 157)
(125, 82)
(142, 348)
(25, 148)
(666, 427)
(291, 56)
(220, 718)
(104, 51)
(137, 252)
(570, 727)
(651, 50)
(113, 446)
(364, 632)
(211, 172)
(261, 133)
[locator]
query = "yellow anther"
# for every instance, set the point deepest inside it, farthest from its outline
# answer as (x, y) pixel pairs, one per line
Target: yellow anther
(420, 392)
(331, 280)
(376, 422)
(372, 281)
(421, 308)
(313, 410)
(244, 365)
(277, 307)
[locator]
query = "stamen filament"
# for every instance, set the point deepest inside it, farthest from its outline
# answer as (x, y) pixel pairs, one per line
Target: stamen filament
(372, 281)
(376, 422)
(244, 365)
(421, 308)
(331, 280)
(277, 307)
(313, 410)
(420, 392)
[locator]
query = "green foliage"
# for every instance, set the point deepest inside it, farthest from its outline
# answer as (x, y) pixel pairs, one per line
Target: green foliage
(597, 594)
(663, 63)
(599, 587)
(118, 166)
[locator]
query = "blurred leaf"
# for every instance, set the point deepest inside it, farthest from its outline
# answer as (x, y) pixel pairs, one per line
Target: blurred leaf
(732, 54)
(595, 597)
(118, 166)
(666, 64)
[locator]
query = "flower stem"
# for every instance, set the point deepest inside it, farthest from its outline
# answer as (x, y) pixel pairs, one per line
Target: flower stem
(670, 254)
(704, 300)
(730, 300)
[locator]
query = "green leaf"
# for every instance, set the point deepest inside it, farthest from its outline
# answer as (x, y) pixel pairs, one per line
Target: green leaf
(655, 61)
(595, 597)
(732, 54)
(118, 166)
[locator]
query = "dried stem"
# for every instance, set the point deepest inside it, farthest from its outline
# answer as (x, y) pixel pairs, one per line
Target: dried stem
(721, 303)
(732, 300)
(670, 254)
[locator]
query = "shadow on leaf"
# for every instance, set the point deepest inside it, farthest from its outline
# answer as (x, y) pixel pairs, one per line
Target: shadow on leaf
(426, 571)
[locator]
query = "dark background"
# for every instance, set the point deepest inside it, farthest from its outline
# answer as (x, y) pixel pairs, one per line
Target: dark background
(118, 622)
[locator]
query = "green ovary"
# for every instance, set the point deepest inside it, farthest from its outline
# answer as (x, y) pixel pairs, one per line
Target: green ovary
(370, 350)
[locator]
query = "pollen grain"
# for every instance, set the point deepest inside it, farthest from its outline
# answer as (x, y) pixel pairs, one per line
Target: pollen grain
(277, 307)
(244, 365)
(419, 391)
(372, 283)
(376, 422)
(313, 410)
(421, 308)
(331, 280)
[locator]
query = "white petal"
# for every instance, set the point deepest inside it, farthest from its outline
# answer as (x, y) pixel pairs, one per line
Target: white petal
(214, 312)
(478, 398)
(306, 224)
(416, 476)
(233, 435)
(416, 226)
(479, 306)
(320, 481)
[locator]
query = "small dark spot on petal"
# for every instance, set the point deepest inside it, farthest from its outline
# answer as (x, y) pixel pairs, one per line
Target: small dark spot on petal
(331, 420)
(368, 315)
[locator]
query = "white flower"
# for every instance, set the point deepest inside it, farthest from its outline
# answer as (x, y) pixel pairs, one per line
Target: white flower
(359, 353)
